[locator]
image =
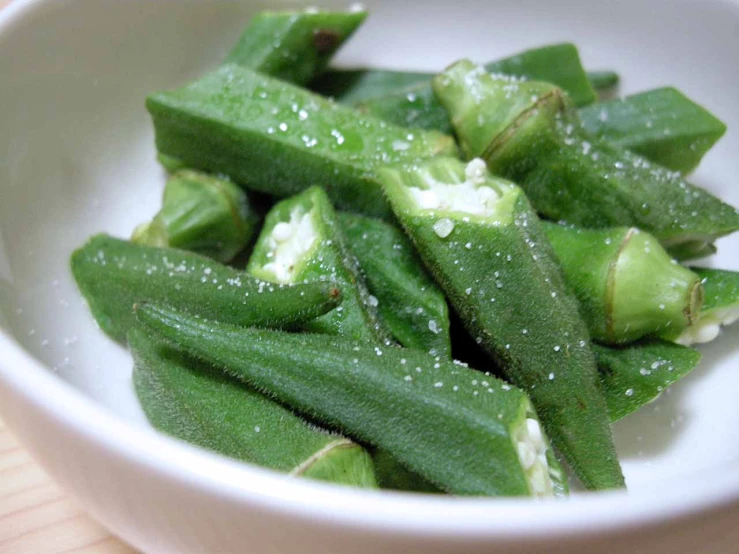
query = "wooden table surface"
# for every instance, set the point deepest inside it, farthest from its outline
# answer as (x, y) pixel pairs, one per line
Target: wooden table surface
(36, 517)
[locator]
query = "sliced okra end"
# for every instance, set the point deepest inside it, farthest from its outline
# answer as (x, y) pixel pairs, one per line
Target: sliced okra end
(720, 307)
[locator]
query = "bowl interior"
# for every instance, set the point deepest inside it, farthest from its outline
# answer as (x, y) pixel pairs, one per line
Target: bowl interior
(78, 158)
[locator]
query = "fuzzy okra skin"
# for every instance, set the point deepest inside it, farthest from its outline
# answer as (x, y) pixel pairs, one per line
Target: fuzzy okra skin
(202, 214)
(194, 402)
(636, 374)
(417, 107)
(720, 306)
(626, 283)
(463, 431)
(485, 246)
(277, 138)
(527, 132)
(294, 46)
(353, 86)
(603, 81)
(663, 125)
(114, 274)
(302, 242)
(409, 302)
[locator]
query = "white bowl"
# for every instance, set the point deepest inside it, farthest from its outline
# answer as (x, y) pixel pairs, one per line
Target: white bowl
(78, 158)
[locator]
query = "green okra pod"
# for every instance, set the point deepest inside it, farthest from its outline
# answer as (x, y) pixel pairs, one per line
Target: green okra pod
(692, 250)
(463, 431)
(301, 242)
(194, 402)
(720, 306)
(417, 106)
(409, 302)
(603, 81)
(113, 274)
(636, 374)
(626, 283)
(663, 125)
(391, 475)
(486, 248)
(170, 164)
(277, 138)
(294, 46)
(526, 132)
(203, 214)
(353, 86)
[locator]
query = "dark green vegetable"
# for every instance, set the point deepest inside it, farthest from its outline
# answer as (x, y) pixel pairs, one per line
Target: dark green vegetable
(692, 250)
(635, 375)
(465, 432)
(301, 242)
(603, 81)
(486, 248)
(113, 274)
(409, 302)
(352, 86)
(201, 405)
(558, 64)
(627, 285)
(273, 137)
(720, 306)
(294, 46)
(663, 125)
(418, 107)
(391, 475)
(526, 132)
(170, 164)
(202, 214)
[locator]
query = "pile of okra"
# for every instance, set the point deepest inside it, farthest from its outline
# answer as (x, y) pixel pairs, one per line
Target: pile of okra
(444, 283)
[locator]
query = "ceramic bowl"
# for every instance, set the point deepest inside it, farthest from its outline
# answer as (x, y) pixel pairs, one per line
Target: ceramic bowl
(77, 157)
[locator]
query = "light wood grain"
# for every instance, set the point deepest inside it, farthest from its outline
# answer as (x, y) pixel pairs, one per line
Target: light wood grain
(35, 514)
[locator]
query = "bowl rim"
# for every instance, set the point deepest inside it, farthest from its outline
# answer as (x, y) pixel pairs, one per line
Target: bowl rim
(399, 513)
